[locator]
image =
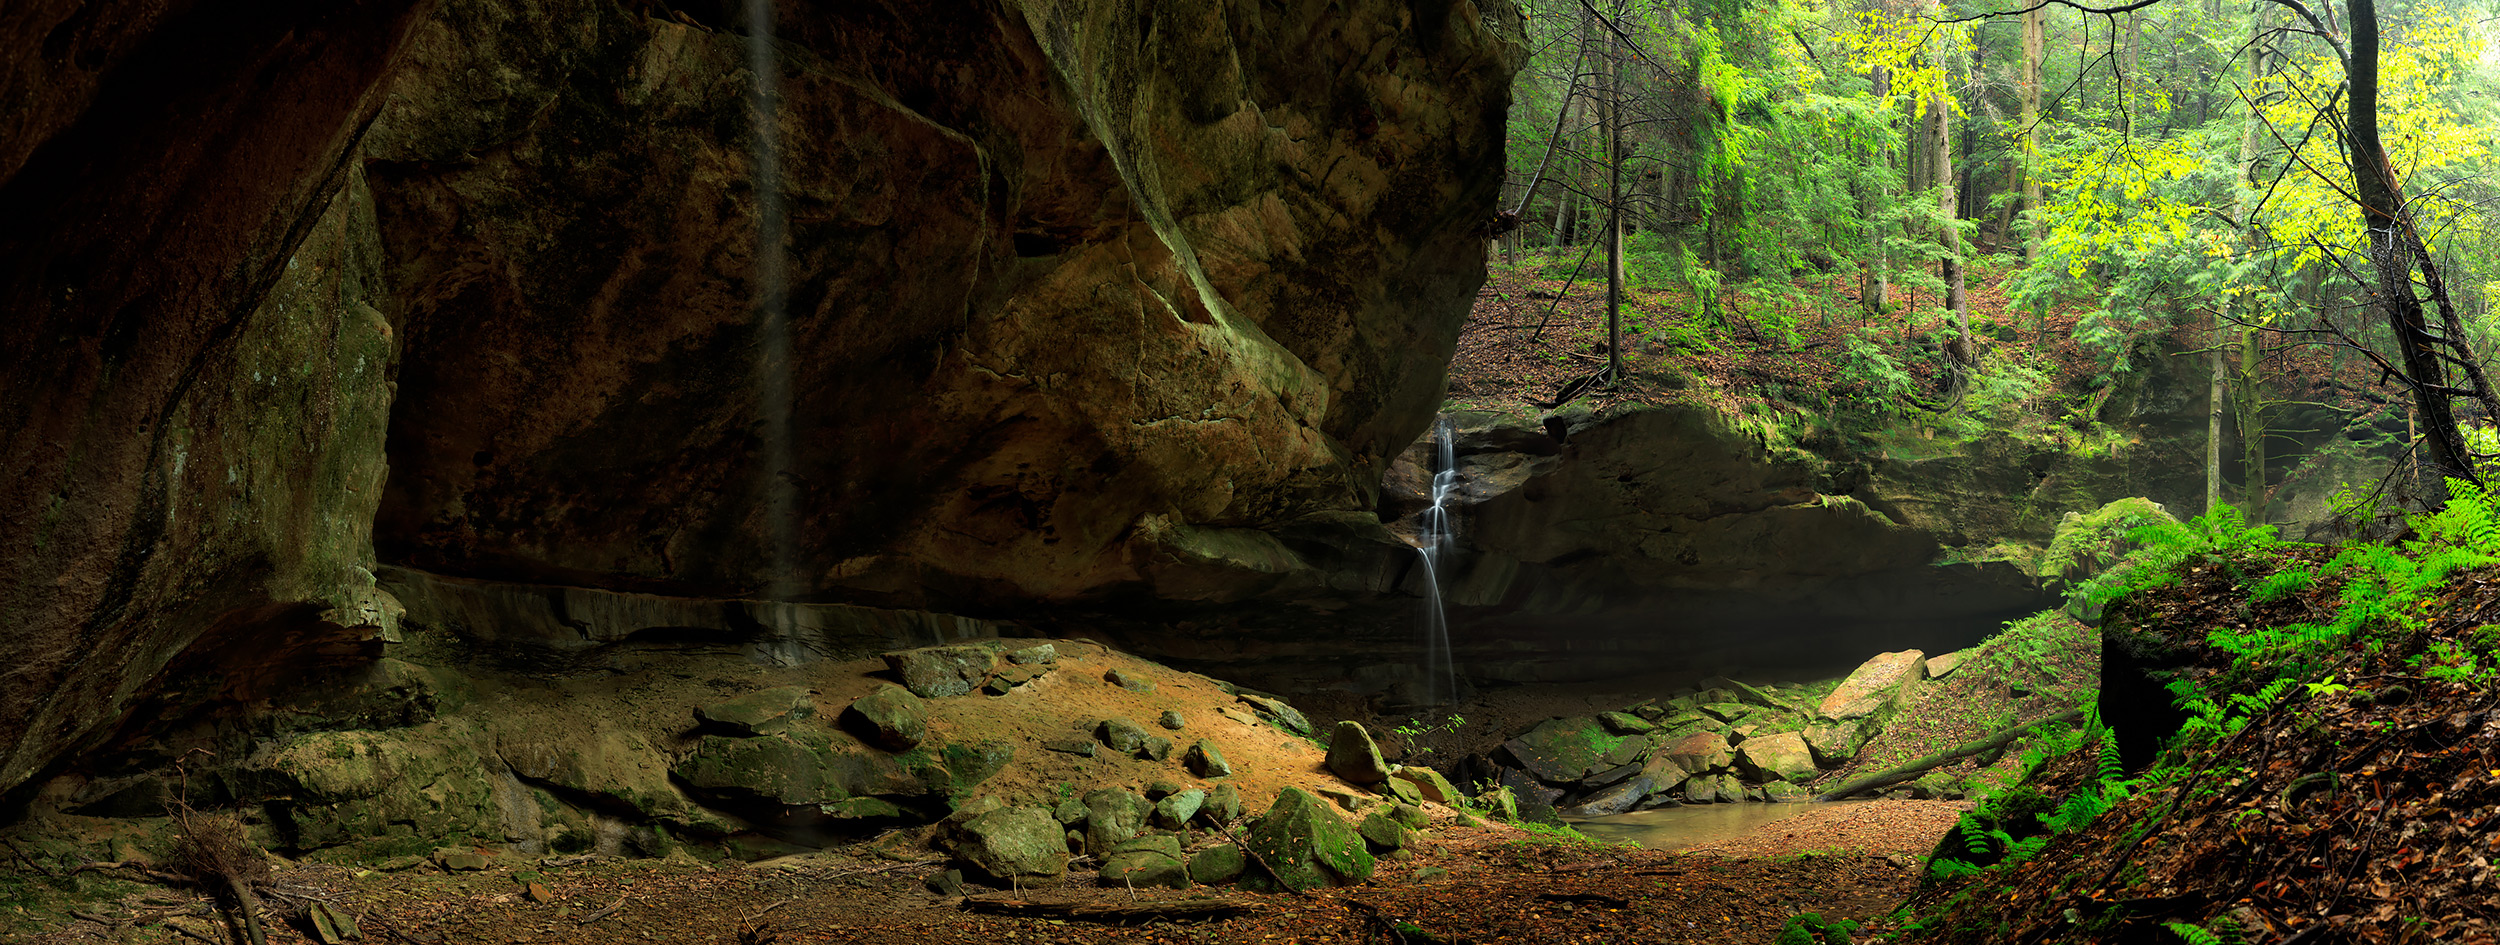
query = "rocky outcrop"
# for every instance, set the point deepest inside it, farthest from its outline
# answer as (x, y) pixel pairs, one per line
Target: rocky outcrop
(1077, 304)
(1033, 352)
(194, 367)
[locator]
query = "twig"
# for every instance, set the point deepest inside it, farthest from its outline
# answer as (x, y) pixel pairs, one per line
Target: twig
(603, 913)
(1260, 860)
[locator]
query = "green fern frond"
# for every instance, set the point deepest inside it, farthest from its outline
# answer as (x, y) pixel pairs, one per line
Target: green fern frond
(2192, 934)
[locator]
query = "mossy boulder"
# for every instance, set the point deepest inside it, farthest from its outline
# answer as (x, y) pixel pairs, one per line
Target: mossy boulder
(1306, 845)
(1778, 757)
(1153, 860)
(1428, 784)
(1353, 755)
(1207, 761)
(1698, 753)
(616, 766)
(1024, 845)
(1877, 689)
(1383, 833)
(1175, 811)
(1277, 713)
(1121, 735)
(936, 672)
(381, 789)
(1112, 816)
(1223, 805)
(759, 713)
(1834, 743)
(890, 718)
(1217, 864)
(1567, 749)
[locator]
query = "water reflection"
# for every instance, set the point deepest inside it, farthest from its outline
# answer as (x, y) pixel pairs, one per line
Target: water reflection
(1680, 828)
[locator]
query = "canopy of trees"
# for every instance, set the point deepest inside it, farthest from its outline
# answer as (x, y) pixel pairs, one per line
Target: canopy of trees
(2274, 187)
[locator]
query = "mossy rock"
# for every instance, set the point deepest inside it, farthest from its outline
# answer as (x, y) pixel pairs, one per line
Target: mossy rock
(760, 713)
(1565, 750)
(1307, 845)
(1145, 862)
(1015, 844)
(374, 789)
(1353, 755)
(1383, 833)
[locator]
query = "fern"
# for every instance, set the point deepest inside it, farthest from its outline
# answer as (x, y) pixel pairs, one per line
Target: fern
(1952, 869)
(1974, 840)
(2026, 848)
(2078, 809)
(2193, 934)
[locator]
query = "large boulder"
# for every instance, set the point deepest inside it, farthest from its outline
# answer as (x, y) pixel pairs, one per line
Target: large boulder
(1152, 860)
(1278, 713)
(1353, 755)
(1112, 816)
(1429, 784)
(890, 718)
(1698, 753)
(1834, 743)
(1878, 687)
(1024, 845)
(1306, 845)
(1568, 749)
(1780, 757)
(934, 672)
(761, 712)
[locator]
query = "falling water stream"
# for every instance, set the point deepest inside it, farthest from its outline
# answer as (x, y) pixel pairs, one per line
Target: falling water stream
(1436, 539)
(773, 387)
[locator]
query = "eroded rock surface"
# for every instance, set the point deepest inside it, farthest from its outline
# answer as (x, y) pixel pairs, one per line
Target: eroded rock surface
(1076, 302)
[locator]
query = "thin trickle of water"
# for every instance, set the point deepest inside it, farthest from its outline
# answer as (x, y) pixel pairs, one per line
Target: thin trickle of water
(1437, 538)
(773, 386)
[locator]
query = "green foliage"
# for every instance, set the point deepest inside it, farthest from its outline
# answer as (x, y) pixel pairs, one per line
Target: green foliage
(1871, 375)
(1810, 928)
(2193, 934)
(2282, 584)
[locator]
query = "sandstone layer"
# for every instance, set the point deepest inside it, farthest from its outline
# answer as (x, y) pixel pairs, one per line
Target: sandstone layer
(1082, 298)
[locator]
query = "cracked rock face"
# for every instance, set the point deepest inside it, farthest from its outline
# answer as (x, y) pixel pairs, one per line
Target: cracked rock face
(1069, 284)
(1083, 296)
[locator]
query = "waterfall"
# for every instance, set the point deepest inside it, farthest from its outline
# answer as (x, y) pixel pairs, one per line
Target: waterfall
(773, 386)
(1435, 540)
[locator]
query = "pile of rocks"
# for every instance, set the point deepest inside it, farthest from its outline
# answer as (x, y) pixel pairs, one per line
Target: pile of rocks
(1723, 743)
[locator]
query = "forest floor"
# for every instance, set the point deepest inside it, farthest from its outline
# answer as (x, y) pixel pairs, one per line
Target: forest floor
(1534, 332)
(1536, 336)
(1484, 884)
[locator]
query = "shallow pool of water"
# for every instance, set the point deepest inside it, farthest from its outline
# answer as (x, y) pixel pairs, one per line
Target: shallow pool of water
(1678, 828)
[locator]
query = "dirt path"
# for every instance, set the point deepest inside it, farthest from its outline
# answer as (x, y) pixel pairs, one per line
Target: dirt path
(1486, 885)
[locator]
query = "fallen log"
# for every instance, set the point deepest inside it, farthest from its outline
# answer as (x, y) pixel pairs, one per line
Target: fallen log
(1921, 766)
(1114, 912)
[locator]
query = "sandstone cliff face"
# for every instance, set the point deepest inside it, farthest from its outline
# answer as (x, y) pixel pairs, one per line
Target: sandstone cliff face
(1080, 294)
(1069, 286)
(192, 370)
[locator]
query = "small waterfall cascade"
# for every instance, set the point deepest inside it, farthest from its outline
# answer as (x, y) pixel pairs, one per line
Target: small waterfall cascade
(774, 392)
(1435, 540)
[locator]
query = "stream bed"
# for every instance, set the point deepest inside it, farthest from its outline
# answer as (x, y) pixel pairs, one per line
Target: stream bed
(1680, 828)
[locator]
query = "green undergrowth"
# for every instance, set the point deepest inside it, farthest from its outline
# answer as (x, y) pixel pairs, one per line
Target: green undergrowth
(2251, 625)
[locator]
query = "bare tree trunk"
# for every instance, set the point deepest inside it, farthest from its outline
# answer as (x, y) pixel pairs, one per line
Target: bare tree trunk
(1614, 208)
(1877, 292)
(2035, 46)
(2391, 253)
(2213, 417)
(1562, 115)
(1949, 212)
(2251, 406)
